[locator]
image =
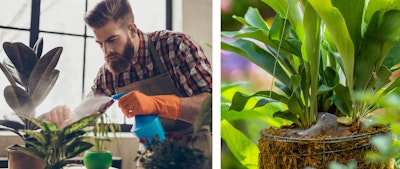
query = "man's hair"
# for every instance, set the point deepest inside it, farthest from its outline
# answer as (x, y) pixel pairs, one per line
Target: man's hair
(118, 10)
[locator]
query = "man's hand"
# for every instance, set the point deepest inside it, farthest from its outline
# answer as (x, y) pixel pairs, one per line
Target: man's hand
(61, 115)
(137, 103)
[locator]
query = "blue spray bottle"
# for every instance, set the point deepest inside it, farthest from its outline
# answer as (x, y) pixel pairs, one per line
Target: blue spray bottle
(145, 125)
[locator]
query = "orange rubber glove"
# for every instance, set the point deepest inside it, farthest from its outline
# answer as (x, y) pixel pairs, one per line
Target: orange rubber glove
(137, 103)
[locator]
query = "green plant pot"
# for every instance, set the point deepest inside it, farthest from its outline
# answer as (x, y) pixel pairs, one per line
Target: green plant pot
(97, 159)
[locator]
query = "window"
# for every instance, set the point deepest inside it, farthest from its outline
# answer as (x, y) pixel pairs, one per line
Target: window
(60, 23)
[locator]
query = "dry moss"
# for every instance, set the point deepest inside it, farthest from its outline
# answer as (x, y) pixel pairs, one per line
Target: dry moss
(278, 150)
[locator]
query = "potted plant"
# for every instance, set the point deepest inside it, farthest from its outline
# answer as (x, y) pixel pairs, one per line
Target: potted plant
(31, 77)
(54, 145)
(99, 157)
(321, 54)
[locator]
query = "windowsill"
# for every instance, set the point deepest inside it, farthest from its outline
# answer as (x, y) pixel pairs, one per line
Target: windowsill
(126, 146)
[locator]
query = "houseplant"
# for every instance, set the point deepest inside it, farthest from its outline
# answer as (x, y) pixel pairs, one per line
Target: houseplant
(99, 157)
(31, 77)
(54, 145)
(321, 54)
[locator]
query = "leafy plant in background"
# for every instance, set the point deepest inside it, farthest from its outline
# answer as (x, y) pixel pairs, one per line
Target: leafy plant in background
(31, 77)
(100, 132)
(54, 145)
(310, 43)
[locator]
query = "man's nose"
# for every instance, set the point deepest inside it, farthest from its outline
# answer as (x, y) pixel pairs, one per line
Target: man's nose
(107, 49)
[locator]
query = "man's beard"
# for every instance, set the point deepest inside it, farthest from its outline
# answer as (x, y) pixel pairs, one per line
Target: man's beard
(123, 62)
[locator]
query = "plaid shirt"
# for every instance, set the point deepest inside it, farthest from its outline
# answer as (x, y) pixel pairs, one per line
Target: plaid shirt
(182, 57)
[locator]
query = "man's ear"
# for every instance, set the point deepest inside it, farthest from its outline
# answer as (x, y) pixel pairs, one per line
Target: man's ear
(132, 29)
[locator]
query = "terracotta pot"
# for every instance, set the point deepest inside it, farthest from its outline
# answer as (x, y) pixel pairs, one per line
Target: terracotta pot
(285, 152)
(19, 160)
(97, 159)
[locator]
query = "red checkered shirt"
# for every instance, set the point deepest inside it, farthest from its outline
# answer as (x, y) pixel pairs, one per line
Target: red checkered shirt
(183, 58)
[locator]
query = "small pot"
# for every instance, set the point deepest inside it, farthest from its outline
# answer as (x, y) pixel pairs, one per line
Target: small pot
(19, 160)
(97, 159)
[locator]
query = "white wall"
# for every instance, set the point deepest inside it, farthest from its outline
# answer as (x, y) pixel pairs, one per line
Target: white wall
(197, 22)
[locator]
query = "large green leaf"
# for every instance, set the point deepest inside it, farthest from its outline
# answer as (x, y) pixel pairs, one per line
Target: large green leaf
(259, 56)
(382, 79)
(240, 145)
(10, 73)
(352, 12)
(19, 100)
(44, 69)
(290, 9)
(382, 34)
(392, 58)
(77, 147)
(240, 100)
(43, 88)
(343, 100)
(232, 115)
(380, 5)
(280, 34)
(254, 18)
(312, 54)
(43, 125)
(35, 134)
(23, 58)
(288, 116)
(336, 25)
(80, 124)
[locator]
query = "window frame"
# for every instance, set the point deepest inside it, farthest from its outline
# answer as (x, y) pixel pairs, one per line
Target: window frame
(34, 32)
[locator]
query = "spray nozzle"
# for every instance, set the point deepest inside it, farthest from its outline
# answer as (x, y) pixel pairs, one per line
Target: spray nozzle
(119, 95)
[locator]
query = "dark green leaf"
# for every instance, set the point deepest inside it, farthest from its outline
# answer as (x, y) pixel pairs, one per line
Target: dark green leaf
(382, 35)
(76, 148)
(43, 88)
(23, 58)
(80, 124)
(259, 56)
(352, 12)
(240, 100)
(254, 18)
(392, 58)
(288, 116)
(382, 78)
(19, 100)
(342, 101)
(44, 70)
